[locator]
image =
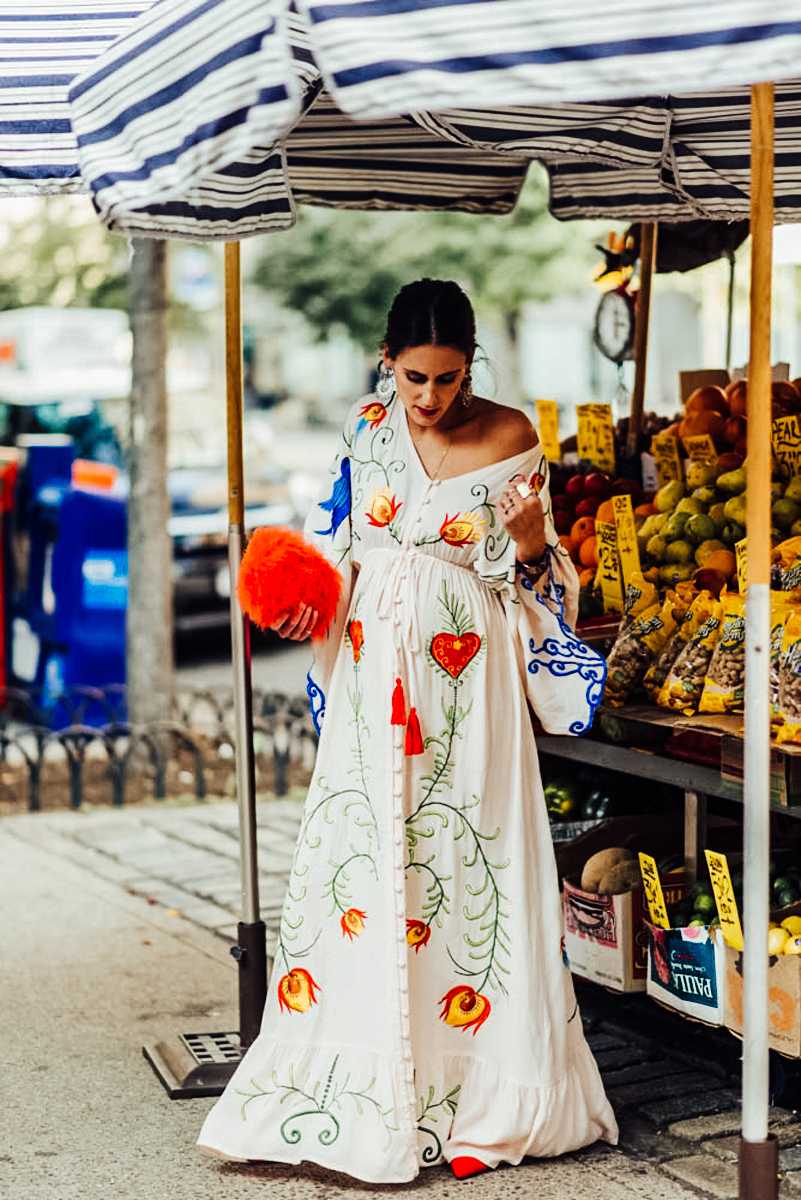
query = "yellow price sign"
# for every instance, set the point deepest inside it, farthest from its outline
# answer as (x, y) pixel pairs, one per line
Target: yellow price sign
(724, 898)
(627, 546)
(787, 445)
(652, 891)
(700, 448)
(608, 576)
(548, 421)
(596, 435)
(665, 450)
(741, 554)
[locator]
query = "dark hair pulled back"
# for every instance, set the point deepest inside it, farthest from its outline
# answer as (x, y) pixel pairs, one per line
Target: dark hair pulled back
(431, 312)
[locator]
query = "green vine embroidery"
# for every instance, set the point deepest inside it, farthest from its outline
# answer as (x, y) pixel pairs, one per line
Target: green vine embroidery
(428, 1106)
(320, 1103)
(487, 941)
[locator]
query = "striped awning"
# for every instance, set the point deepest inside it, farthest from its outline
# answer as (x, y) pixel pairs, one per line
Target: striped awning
(385, 57)
(208, 118)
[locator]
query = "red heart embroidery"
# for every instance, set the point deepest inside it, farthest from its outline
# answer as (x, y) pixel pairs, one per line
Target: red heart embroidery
(453, 653)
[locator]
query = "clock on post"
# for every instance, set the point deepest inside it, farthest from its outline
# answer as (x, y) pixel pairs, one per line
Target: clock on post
(613, 332)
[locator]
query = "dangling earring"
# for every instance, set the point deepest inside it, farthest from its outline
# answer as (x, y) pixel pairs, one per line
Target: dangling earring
(385, 387)
(466, 389)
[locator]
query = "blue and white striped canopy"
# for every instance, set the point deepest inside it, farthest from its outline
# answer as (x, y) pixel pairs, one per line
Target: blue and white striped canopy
(208, 118)
(384, 57)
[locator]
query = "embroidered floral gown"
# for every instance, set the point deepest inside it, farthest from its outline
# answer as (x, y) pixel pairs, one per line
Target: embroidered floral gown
(420, 1007)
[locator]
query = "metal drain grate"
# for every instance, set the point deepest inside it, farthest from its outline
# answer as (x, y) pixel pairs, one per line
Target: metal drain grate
(213, 1047)
(195, 1064)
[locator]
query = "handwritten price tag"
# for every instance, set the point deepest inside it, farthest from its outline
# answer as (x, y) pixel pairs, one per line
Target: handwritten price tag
(700, 448)
(596, 435)
(787, 445)
(741, 554)
(665, 450)
(548, 421)
(724, 898)
(609, 576)
(627, 547)
(652, 891)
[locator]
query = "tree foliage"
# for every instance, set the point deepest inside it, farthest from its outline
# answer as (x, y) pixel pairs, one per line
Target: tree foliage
(341, 269)
(58, 254)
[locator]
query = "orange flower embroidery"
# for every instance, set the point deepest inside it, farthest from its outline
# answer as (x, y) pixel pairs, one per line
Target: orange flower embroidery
(462, 529)
(353, 923)
(356, 635)
(463, 1007)
(296, 990)
(383, 508)
(537, 482)
(373, 414)
(417, 934)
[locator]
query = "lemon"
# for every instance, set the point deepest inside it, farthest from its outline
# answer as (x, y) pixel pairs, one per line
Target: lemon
(792, 925)
(792, 946)
(777, 940)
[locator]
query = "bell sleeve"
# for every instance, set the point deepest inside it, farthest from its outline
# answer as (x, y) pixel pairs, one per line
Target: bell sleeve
(328, 528)
(563, 678)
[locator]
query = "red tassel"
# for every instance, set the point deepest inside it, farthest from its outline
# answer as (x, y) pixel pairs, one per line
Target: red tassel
(398, 705)
(414, 739)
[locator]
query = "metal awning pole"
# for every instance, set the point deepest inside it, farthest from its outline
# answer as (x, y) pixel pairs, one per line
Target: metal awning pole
(251, 942)
(642, 322)
(759, 1159)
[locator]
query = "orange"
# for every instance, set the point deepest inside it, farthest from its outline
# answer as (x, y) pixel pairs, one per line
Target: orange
(583, 528)
(723, 561)
(606, 512)
(568, 544)
(586, 577)
(645, 510)
(588, 552)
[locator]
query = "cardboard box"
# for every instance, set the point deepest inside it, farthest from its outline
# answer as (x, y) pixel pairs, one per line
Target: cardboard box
(784, 1000)
(605, 936)
(687, 971)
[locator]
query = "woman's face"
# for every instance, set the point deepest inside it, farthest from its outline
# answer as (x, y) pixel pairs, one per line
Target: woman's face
(427, 380)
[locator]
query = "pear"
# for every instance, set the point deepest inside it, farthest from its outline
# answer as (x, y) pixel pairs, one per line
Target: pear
(690, 505)
(785, 512)
(673, 529)
(793, 489)
(708, 495)
(718, 515)
(699, 474)
(734, 509)
(669, 495)
(706, 548)
(732, 483)
(656, 548)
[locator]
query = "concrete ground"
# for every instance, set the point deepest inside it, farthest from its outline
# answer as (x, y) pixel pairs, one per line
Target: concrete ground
(115, 933)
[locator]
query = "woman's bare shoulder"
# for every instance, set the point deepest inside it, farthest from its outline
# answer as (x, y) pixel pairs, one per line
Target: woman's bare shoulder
(510, 428)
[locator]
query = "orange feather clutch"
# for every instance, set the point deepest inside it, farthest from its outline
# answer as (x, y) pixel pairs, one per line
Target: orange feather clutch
(279, 572)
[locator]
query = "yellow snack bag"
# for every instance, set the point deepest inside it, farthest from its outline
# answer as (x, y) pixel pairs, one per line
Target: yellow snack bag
(635, 649)
(781, 604)
(789, 697)
(684, 685)
(787, 556)
(676, 640)
(724, 686)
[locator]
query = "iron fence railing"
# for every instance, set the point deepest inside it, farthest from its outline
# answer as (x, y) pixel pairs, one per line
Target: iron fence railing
(79, 749)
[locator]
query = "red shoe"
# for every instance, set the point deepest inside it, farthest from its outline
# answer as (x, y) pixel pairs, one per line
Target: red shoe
(465, 1166)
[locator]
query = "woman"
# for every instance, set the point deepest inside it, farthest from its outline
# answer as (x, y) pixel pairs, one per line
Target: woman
(420, 1008)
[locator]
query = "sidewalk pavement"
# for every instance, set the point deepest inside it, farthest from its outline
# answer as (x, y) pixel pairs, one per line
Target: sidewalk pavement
(115, 933)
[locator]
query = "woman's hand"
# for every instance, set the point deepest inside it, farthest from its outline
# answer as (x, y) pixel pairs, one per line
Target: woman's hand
(524, 520)
(298, 625)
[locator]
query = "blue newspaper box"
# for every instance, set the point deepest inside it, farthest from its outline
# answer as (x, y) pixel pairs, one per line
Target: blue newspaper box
(90, 585)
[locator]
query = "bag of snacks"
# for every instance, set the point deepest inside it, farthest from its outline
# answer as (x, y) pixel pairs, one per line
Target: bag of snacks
(724, 686)
(789, 697)
(684, 685)
(635, 649)
(781, 603)
(662, 665)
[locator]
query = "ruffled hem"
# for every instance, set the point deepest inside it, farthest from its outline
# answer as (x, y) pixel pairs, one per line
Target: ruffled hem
(291, 1104)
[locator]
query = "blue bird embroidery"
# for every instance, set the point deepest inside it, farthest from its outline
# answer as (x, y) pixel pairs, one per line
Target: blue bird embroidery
(339, 503)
